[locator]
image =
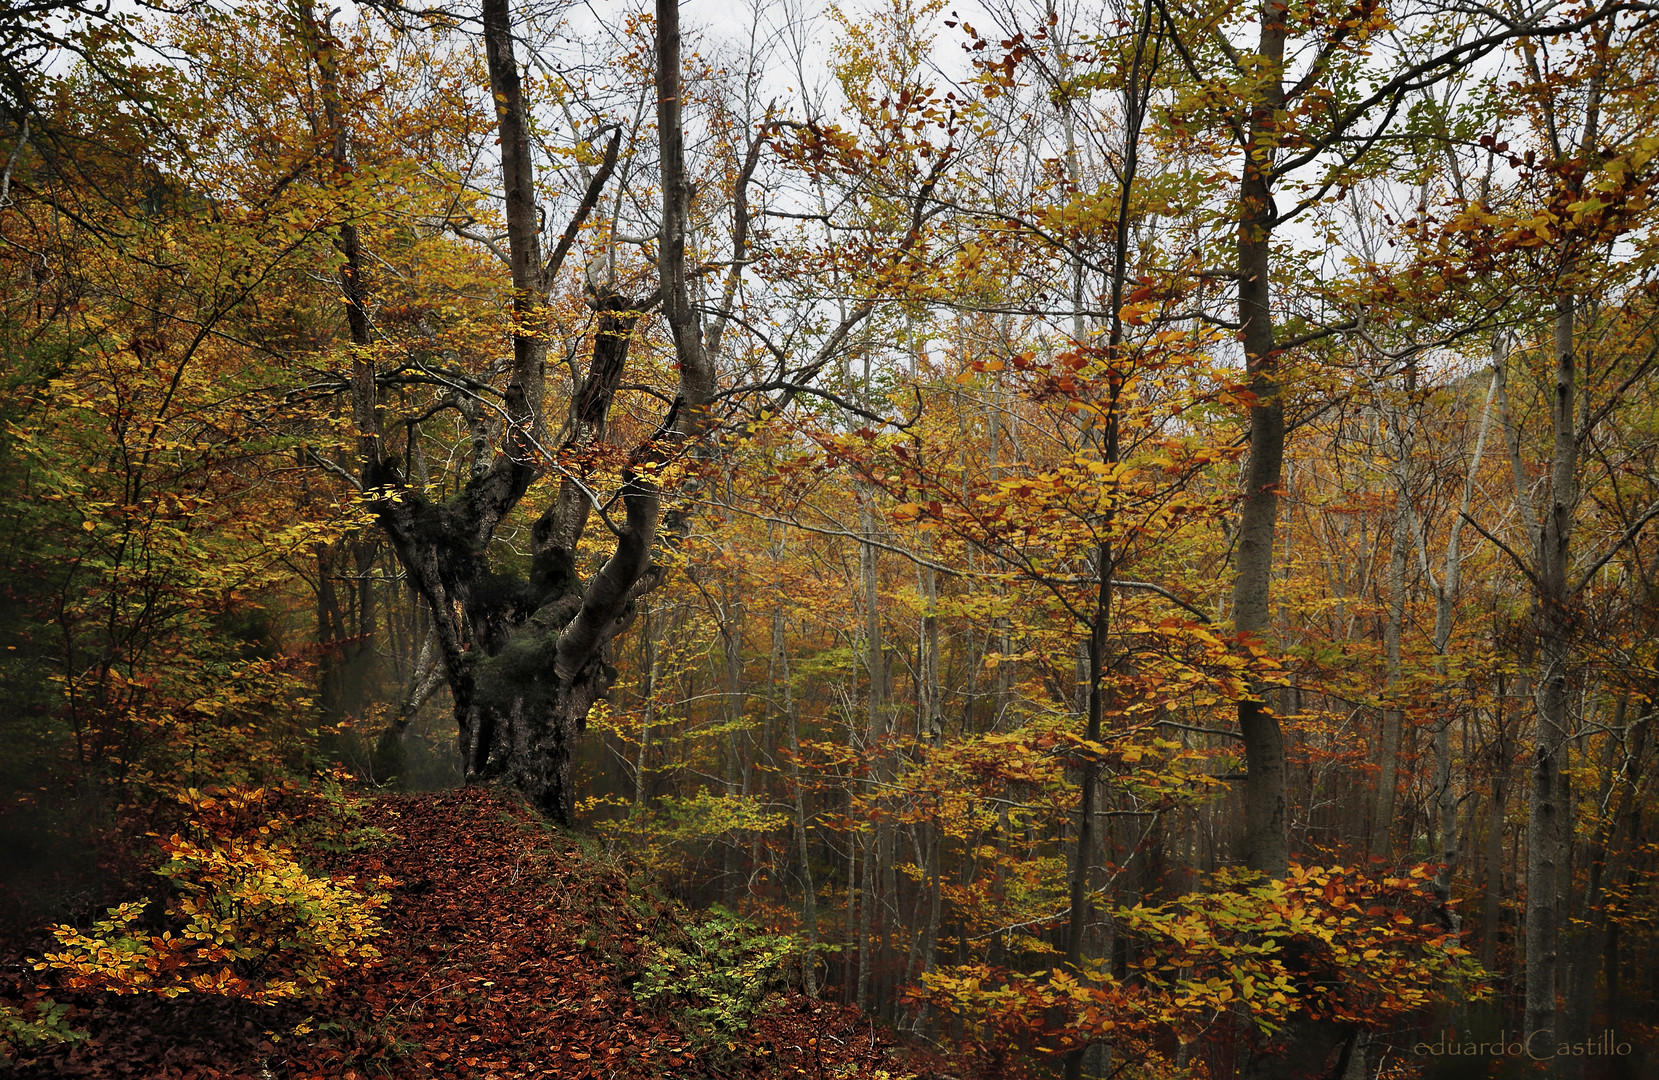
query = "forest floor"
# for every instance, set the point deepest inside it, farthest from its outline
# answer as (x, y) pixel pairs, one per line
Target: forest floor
(506, 954)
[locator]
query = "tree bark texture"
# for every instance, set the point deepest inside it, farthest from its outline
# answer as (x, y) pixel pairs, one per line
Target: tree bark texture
(1382, 823)
(1548, 811)
(1266, 844)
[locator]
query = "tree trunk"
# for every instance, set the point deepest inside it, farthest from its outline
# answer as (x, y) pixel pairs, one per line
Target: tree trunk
(1266, 843)
(648, 700)
(330, 637)
(1382, 823)
(737, 741)
(930, 939)
(809, 894)
(866, 904)
(876, 840)
(1445, 608)
(526, 659)
(848, 981)
(1492, 889)
(1078, 940)
(1627, 829)
(930, 726)
(1085, 857)
(1305, 1044)
(1549, 811)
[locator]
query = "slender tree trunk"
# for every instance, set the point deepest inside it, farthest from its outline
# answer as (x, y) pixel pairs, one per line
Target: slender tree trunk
(809, 894)
(1305, 1044)
(850, 981)
(330, 632)
(1548, 812)
(875, 732)
(1582, 957)
(737, 765)
(1627, 830)
(1445, 608)
(1085, 857)
(648, 700)
(1382, 824)
(930, 726)
(866, 904)
(1078, 939)
(930, 939)
(1492, 888)
(887, 909)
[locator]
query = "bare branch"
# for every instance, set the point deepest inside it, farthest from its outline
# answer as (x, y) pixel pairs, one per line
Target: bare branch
(491, 243)
(1520, 563)
(335, 470)
(1613, 549)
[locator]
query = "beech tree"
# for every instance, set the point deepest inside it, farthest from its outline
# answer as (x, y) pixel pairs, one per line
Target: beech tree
(1586, 209)
(527, 654)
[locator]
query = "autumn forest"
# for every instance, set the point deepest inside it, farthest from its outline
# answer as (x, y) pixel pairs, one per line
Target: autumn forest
(890, 540)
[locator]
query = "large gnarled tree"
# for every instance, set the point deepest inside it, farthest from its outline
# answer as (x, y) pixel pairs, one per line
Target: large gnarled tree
(527, 655)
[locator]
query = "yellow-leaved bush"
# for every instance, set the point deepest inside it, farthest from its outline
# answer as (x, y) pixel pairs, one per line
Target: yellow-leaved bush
(1326, 943)
(247, 920)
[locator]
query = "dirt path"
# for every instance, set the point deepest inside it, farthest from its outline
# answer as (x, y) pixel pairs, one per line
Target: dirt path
(485, 972)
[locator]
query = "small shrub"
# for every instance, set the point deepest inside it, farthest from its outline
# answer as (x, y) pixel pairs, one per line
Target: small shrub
(246, 921)
(722, 973)
(21, 1032)
(334, 822)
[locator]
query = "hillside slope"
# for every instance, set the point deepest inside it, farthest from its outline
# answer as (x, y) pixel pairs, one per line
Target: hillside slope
(506, 954)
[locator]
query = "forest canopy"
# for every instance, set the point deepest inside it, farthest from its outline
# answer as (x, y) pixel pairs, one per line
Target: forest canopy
(1114, 539)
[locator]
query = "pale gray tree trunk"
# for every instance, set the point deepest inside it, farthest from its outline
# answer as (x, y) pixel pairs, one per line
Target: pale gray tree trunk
(930, 726)
(1548, 811)
(1398, 422)
(648, 700)
(875, 729)
(809, 893)
(1445, 610)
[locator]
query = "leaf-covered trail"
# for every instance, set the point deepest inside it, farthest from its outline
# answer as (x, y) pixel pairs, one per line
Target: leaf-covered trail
(503, 957)
(486, 971)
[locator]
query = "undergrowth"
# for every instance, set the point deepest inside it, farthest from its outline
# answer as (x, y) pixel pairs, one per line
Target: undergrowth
(244, 911)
